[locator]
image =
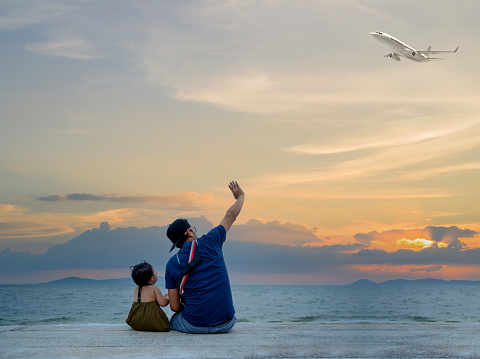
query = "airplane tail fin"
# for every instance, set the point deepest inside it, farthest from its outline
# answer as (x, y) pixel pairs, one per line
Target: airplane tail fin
(427, 50)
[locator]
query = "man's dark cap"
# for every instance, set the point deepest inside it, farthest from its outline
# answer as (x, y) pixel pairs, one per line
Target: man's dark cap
(176, 232)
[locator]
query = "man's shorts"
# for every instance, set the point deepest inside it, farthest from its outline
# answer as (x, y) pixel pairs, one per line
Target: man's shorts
(177, 322)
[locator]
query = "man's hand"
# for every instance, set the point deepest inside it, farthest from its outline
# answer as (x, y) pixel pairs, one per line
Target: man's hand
(235, 209)
(237, 191)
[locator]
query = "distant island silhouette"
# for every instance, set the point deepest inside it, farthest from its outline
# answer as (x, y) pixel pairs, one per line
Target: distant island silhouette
(86, 281)
(428, 281)
(358, 283)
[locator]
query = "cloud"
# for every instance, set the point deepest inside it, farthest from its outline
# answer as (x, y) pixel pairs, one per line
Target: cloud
(434, 234)
(24, 229)
(18, 222)
(274, 232)
(426, 269)
(52, 198)
(390, 163)
(20, 14)
(104, 248)
(46, 222)
(100, 248)
(450, 235)
(388, 142)
(415, 244)
(247, 56)
(63, 25)
(186, 200)
(73, 48)
(428, 256)
(211, 60)
(251, 57)
(431, 172)
(374, 124)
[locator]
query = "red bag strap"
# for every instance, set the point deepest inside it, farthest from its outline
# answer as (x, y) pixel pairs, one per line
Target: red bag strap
(190, 258)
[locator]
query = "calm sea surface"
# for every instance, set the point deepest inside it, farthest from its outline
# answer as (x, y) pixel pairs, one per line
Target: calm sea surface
(104, 304)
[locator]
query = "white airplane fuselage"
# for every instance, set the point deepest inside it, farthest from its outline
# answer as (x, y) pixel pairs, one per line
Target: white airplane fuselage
(397, 47)
(400, 49)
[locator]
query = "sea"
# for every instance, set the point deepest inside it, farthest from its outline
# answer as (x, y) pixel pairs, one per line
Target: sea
(31, 305)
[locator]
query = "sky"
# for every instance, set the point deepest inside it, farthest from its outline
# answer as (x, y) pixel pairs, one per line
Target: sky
(138, 113)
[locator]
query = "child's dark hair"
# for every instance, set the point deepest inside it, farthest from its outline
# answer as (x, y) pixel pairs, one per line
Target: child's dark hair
(142, 273)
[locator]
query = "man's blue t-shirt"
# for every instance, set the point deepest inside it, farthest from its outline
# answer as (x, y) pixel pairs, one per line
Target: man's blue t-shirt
(208, 296)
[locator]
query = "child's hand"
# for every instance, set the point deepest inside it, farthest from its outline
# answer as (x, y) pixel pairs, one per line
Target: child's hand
(166, 296)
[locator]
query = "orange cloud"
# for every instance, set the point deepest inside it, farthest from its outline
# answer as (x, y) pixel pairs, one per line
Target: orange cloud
(21, 222)
(414, 245)
(439, 271)
(417, 239)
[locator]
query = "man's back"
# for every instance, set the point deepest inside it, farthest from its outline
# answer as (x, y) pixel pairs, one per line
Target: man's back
(208, 296)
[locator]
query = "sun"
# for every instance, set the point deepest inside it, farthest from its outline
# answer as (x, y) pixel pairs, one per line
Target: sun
(414, 244)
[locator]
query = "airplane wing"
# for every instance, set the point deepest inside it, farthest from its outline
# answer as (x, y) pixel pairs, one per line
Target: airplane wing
(428, 52)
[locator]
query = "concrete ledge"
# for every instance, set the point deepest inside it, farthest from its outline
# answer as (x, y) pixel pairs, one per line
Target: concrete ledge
(247, 340)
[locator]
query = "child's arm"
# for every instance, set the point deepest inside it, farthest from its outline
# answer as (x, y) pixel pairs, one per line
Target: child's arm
(161, 299)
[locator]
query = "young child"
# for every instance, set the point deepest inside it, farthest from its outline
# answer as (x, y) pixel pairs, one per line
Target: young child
(146, 313)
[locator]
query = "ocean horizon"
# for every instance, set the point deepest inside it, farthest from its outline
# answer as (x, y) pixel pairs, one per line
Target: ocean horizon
(100, 304)
(360, 282)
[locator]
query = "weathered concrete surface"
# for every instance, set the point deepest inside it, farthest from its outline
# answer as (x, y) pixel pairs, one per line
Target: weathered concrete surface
(246, 341)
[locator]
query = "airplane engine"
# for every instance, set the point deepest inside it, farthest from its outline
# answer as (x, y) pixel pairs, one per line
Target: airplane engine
(393, 56)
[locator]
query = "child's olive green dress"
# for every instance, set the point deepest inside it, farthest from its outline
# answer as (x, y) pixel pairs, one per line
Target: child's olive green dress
(148, 316)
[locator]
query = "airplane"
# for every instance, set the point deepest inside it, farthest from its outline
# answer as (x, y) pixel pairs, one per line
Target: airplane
(399, 48)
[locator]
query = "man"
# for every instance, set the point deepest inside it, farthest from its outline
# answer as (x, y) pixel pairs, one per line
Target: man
(206, 305)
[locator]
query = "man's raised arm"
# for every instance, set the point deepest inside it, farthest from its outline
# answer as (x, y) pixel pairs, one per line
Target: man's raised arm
(235, 209)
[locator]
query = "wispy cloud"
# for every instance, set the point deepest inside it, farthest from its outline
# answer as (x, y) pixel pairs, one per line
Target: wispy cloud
(26, 224)
(188, 199)
(20, 14)
(215, 53)
(74, 48)
(402, 140)
(185, 198)
(19, 222)
(426, 269)
(431, 172)
(425, 153)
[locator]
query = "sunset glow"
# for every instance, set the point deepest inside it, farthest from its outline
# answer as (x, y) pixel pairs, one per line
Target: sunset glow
(415, 245)
(354, 166)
